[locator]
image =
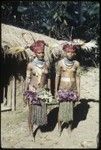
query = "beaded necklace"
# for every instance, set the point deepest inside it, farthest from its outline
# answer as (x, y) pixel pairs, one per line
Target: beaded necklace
(68, 63)
(39, 63)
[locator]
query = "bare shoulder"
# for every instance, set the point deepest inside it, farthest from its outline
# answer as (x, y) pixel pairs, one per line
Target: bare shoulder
(29, 65)
(77, 63)
(60, 62)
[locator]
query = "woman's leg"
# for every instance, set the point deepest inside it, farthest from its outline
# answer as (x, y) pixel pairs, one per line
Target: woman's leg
(69, 127)
(30, 124)
(59, 125)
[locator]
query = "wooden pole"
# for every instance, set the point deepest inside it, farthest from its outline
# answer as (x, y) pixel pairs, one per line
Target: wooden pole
(9, 95)
(4, 98)
(13, 93)
(7, 100)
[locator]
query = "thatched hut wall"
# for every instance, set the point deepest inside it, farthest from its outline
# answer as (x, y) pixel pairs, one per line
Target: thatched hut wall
(12, 71)
(14, 59)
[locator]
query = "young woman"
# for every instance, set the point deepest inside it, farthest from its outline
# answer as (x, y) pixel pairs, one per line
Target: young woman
(67, 86)
(36, 81)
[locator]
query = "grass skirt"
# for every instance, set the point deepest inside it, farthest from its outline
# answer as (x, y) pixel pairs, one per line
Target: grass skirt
(66, 111)
(39, 114)
(39, 111)
(66, 99)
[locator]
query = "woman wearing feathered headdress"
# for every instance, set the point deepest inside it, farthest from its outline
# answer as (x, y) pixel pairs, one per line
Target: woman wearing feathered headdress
(67, 85)
(36, 81)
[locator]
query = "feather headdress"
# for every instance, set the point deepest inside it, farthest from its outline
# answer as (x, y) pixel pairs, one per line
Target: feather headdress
(23, 52)
(57, 48)
(78, 42)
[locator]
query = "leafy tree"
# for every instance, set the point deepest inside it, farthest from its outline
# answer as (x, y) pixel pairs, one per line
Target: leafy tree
(55, 18)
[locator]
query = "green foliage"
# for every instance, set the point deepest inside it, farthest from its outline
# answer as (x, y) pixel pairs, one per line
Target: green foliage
(55, 18)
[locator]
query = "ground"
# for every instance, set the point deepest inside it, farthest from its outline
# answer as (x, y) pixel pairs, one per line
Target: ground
(14, 128)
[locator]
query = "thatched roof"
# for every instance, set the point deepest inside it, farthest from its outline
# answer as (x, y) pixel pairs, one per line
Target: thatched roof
(13, 36)
(14, 44)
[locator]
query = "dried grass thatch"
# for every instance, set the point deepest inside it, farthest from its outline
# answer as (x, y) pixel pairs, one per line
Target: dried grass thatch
(13, 36)
(14, 41)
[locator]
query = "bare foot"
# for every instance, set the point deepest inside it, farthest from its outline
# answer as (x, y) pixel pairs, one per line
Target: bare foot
(34, 127)
(69, 130)
(30, 132)
(59, 131)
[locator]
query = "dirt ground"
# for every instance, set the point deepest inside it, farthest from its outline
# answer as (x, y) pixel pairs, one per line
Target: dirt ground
(14, 128)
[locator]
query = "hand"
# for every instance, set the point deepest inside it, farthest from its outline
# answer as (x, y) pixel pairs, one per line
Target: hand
(56, 95)
(31, 88)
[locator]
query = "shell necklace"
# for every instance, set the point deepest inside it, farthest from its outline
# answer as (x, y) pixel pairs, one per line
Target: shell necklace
(68, 63)
(39, 63)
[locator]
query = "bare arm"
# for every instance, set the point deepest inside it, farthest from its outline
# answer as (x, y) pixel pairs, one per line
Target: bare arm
(28, 76)
(44, 77)
(57, 78)
(78, 79)
(27, 81)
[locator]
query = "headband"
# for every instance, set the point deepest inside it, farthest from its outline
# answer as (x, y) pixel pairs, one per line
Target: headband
(38, 46)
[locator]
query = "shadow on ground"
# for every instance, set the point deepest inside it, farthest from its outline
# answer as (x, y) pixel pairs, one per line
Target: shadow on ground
(79, 113)
(52, 120)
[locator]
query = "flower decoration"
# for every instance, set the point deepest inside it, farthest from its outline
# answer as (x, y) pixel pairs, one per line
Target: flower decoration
(36, 97)
(32, 97)
(67, 96)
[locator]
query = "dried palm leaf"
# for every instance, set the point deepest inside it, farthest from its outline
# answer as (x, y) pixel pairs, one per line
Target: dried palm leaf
(23, 55)
(27, 56)
(20, 57)
(16, 56)
(78, 42)
(5, 43)
(89, 45)
(30, 54)
(56, 50)
(28, 39)
(15, 50)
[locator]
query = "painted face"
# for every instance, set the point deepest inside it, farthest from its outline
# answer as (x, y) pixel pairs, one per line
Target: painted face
(70, 55)
(40, 55)
(70, 51)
